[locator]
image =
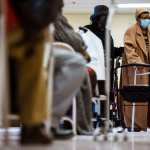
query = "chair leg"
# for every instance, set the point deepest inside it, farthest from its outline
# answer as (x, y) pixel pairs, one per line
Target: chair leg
(74, 113)
(133, 117)
(4, 75)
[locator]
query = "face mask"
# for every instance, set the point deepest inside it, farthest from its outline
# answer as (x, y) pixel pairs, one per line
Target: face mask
(145, 23)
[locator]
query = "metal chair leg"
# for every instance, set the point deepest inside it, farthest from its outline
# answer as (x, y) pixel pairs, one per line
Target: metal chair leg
(4, 92)
(74, 116)
(133, 117)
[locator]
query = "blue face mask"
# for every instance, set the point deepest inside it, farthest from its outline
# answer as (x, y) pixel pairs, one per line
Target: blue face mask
(145, 23)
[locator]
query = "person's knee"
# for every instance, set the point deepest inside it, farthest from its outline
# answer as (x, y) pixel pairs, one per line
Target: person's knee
(80, 59)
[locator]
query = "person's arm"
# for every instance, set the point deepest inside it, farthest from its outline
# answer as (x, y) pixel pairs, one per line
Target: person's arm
(115, 51)
(118, 51)
(130, 48)
(65, 33)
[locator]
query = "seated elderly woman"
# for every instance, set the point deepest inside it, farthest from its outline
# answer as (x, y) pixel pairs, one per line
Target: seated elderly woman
(65, 33)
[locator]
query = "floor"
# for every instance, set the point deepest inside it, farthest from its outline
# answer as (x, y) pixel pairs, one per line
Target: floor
(134, 141)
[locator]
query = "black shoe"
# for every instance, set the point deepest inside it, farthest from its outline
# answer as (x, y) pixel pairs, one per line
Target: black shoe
(135, 129)
(64, 131)
(85, 133)
(66, 123)
(61, 134)
(34, 135)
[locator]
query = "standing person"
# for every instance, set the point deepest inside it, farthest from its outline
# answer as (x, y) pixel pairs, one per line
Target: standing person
(137, 50)
(94, 37)
(98, 27)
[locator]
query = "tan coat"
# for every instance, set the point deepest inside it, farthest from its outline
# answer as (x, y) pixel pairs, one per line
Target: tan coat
(135, 52)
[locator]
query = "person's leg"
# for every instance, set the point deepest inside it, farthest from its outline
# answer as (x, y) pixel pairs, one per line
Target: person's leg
(84, 111)
(101, 87)
(68, 76)
(93, 80)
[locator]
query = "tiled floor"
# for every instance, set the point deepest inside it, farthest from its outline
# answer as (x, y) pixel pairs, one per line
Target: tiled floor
(136, 141)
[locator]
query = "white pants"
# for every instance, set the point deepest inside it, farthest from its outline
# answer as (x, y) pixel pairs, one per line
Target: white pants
(69, 73)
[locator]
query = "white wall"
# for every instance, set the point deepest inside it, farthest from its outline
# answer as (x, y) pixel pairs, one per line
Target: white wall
(120, 24)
